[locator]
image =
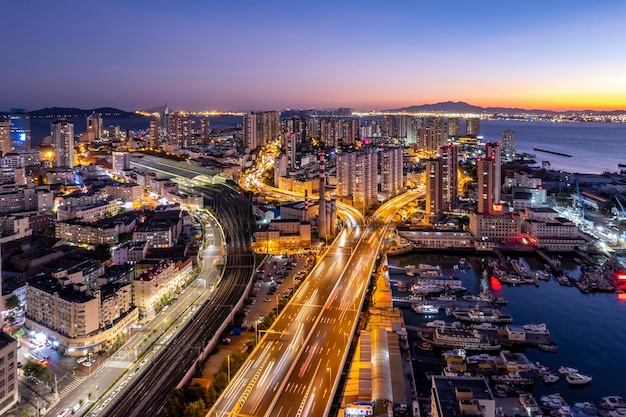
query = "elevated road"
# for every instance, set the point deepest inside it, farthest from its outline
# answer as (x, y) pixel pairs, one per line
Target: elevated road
(295, 369)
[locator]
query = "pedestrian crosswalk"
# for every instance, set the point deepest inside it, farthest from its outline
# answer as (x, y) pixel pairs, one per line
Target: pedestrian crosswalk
(71, 386)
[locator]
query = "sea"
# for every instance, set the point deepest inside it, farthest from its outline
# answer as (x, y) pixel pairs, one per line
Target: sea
(589, 329)
(595, 148)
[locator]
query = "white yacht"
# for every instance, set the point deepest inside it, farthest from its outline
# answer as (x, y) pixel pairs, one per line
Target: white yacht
(564, 370)
(550, 378)
(575, 378)
(426, 309)
(537, 328)
(613, 401)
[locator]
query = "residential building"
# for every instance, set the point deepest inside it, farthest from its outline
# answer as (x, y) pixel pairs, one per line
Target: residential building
(101, 232)
(5, 137)
(259, 128)
(434, 188)
(495, 226)
(62, 133)
(163, 279)
(79, 319)
(391, 172)
(94, 127)
(472, 127)
(449, 176)
(8, 372)
(120, 161)
(508, 145)
(492, 151)
(357, 177)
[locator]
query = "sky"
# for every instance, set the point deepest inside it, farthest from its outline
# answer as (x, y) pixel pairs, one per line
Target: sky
(274, 54)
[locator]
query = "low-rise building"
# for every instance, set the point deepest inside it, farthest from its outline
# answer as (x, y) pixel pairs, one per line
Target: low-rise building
(88, 213)
(461, 396)
(131, 252)
(160, 281)
(495, 226)
(434, 238)
(104, 231)
(79, 319)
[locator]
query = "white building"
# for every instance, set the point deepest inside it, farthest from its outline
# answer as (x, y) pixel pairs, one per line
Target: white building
(8, 372)
(62, 133)
(357, 177)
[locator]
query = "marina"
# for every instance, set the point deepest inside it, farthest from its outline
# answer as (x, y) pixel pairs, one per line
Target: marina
(542, 315)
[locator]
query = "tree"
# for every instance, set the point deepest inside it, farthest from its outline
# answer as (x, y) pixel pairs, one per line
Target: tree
(125, 237)
(12, 302)
(102, 252)
(37, 369)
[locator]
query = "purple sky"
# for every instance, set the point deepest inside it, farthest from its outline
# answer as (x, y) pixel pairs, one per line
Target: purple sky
(242, 55)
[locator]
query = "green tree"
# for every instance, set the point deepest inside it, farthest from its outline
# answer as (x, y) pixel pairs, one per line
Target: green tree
(36, 369)
(195, 409)
(12, 302)
(102, 252)
(125, 237)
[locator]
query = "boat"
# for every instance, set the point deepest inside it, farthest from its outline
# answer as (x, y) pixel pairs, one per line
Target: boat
(436, 323)
(576, 378)
(613, 401)
(485, 296)
(564, 370)
(445, 298)
(426, 309)
(467, 339)
(545, 347)
(513, 378)
(455, 356)
(617, 412)
(536, 328)
(586, 407)
(553, 401)
(550, 378)
(423, 270)
(529, 403)
(621, 165)
(483, 315)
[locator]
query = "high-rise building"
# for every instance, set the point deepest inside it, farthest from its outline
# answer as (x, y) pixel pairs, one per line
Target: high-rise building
(205, 130)
(472, 126)
(485, 168)
(20, 129)
(259, 128)
(508, 144)
(413, 125)
(154, 134)
(434, 194)
(5, 137)
(449, 176)
(434, 134)
(62, 133)
(180, 130)
(357, 177)
(391, 174)
(94, 126)
(350, 131)
(454, 127)
(165, 118)
(492, 150)
(120, 161)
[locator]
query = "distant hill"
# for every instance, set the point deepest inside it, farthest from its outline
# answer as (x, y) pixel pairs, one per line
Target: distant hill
(72, 113)
(462, 107)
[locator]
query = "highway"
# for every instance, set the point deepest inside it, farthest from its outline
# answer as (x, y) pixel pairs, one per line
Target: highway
(295, 368)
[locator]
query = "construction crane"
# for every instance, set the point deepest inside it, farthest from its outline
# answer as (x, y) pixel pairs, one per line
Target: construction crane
(621, 215)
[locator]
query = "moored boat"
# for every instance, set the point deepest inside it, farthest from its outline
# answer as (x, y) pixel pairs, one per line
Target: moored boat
(426, 309)
(565, 370)
(613, 401)
(576, 378)
(550, 378)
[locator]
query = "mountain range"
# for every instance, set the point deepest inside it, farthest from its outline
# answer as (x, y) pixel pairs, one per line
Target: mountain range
(462, 107)
(73, 113)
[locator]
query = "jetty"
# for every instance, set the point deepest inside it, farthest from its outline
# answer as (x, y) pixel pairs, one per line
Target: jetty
(552, 152)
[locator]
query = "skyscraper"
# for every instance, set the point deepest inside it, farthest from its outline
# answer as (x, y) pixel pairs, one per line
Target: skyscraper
(94, 126)
(449, 176)
(5, 137)
(434, 195)
(472, 126)
(259, 128)
(20, 129)
(155, 135)
(508, 144)
(205, 130)
(357, 177)
(434, 134)
(492, 150)
(454, 127)
(62, 133)
(485, 168)
(391, 173)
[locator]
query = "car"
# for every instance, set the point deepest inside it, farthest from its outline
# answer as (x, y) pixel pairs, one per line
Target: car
(87, 364)
(65, 412)
(19, 364)
(226, 341)
(267, 299)
(82, 359)
(253, 301)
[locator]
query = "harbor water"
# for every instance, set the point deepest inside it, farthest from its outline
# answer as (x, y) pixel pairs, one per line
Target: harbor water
(590, 329)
